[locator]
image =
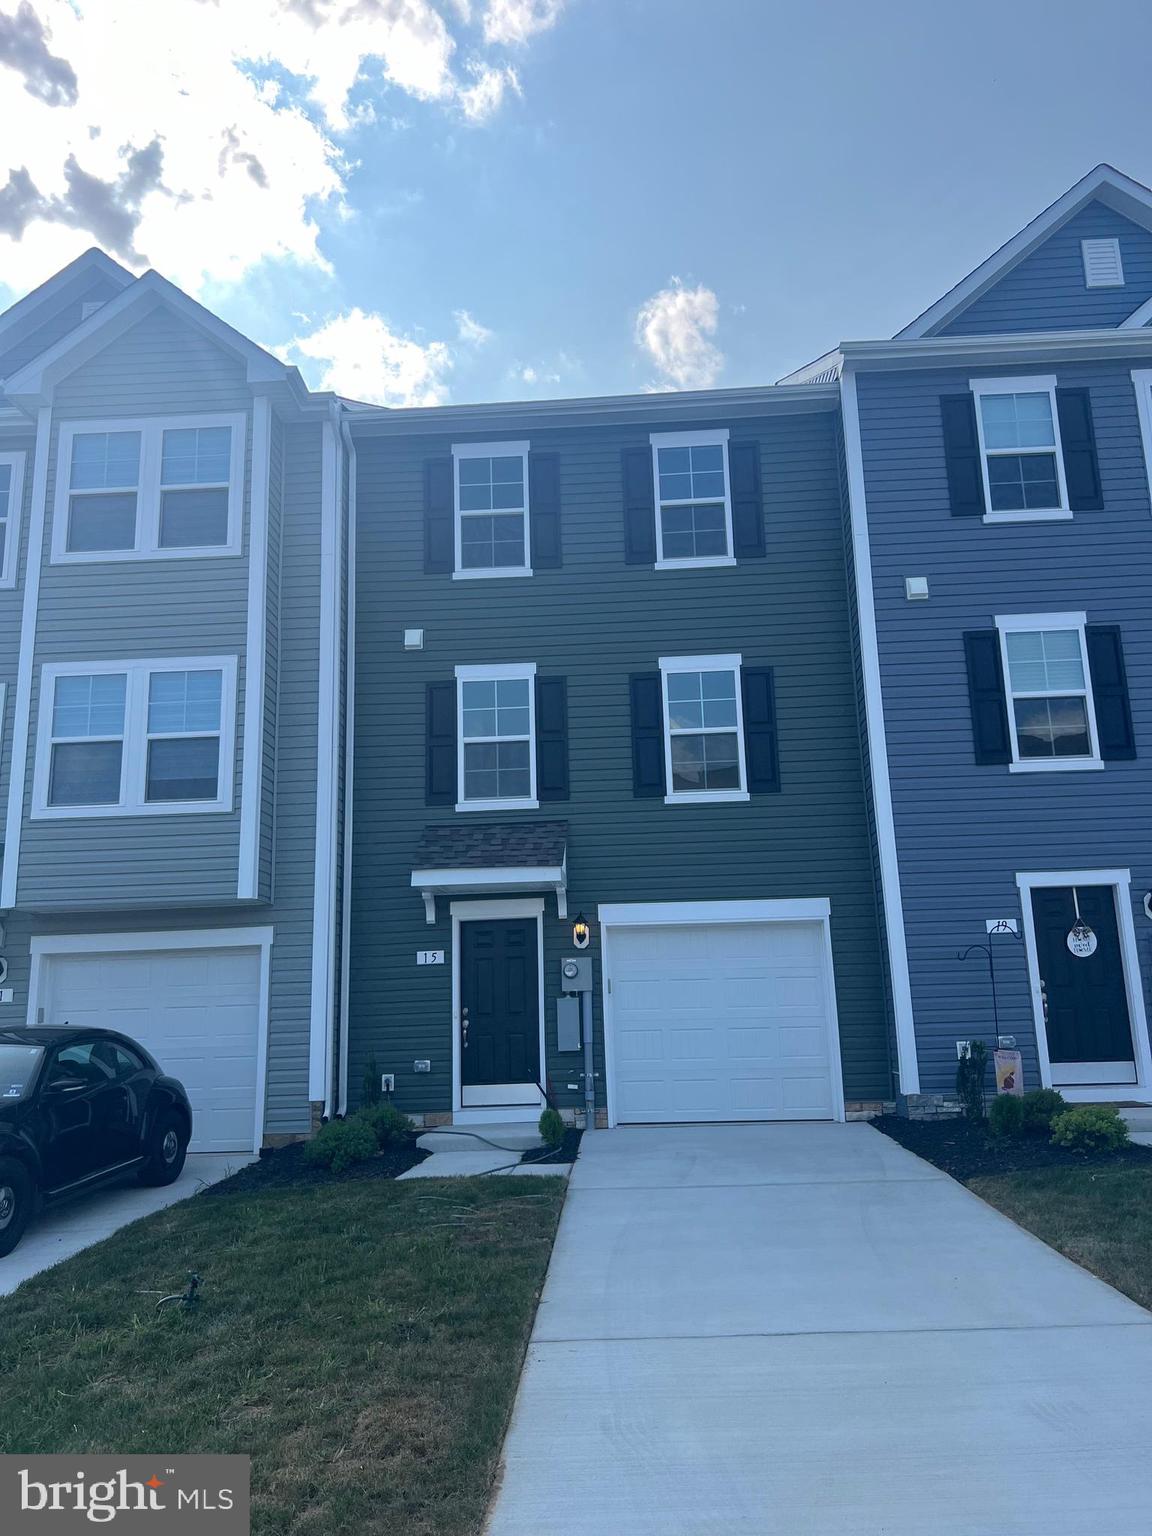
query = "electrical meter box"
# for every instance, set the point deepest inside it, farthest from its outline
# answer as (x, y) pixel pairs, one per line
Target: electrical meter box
(568, 1034)
(576, 974)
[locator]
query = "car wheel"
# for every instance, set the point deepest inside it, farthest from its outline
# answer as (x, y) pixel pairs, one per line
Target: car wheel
(17, 1196)
(167, 1148)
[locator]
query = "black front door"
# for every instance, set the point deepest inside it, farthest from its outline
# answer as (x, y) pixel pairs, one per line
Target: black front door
(1086, 1005)
(499, 1003)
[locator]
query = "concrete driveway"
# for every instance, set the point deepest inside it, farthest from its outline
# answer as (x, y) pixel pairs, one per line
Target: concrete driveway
(65, 1229)
(805, 1330)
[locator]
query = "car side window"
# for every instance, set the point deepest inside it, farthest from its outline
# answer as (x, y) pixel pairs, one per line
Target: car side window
(80, 1063)
(120, 1061)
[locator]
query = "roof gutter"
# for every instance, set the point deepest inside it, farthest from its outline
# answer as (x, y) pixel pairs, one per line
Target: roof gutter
(1027, 347)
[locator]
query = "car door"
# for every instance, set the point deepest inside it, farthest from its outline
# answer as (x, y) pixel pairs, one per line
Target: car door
(85, 1115)
(128, 1105)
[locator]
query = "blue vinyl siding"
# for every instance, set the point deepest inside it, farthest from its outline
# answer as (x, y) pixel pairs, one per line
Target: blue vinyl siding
(1046, 291)
(963, 832)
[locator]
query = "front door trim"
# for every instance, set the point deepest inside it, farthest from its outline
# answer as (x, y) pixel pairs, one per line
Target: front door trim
(478, 911)
(1120, 881)
(648, 914)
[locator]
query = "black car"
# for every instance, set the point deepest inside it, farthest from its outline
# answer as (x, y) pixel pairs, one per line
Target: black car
(78, 1109)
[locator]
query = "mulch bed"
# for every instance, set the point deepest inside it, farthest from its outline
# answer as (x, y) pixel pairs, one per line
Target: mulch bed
(285, 1167)
(566, 1152)
(967, 1151)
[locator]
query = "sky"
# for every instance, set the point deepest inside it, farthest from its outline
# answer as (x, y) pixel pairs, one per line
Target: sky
(431, 201)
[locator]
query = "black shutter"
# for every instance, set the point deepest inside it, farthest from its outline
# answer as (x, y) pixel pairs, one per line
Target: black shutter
(544, 510)
(440, 745)
(647, 733)
(639, 507)
(747, 500)
(760, 750)
(1078, 440)
(962, 455)
(986, 696)
(551, 738)
(439, 516)
(1110, 692)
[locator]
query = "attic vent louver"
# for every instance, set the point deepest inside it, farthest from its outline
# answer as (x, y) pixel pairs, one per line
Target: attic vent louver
(1102, 265)
(90, 308)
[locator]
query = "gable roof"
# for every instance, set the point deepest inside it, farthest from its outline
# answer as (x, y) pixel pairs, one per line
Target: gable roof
(1104, 184)
(32, 384)
(26, 312)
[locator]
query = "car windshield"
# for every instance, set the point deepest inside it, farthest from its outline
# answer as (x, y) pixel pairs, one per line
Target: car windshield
(18, 1065)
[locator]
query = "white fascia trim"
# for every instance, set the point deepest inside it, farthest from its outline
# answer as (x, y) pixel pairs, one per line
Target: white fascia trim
(321, 1014)
(1129, 194)
(465, 879)
(891, 897)
(1121, 882)
(22, 723)
(149, 491)
(255, 649)
(1022, 349)
(1139, 318)
(1142, 384)
(15, 521)
(135, 737)
(349, 763)
(648, 914)
(45, 945)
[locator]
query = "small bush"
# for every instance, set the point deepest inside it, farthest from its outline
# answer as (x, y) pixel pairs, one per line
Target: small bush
(388, 1125)
(551, 1128)
(1091, 1128)
(1041, 1107)
(1006, 1115)
(341, 1143)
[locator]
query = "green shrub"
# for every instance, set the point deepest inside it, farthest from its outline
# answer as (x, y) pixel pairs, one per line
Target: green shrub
(1006, 1115)
(387, 1124)
(551, 1128)
(341, 1143)
(971, 1071)
(370, 1090)
(1091, 1128)
(1041, 1107)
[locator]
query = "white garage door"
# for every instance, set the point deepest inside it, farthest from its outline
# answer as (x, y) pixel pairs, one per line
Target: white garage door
(721, 1021)
(196, 1010)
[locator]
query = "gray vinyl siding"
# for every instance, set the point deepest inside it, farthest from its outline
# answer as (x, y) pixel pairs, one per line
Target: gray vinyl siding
(963, 832)
(594, 622)
(67, 307)
(1047, 292)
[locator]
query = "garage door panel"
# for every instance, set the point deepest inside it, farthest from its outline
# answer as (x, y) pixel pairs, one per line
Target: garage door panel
(721, 1021)
(196, 1011)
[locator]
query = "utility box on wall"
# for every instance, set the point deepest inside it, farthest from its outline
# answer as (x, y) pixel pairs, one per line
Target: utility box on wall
(568, 1024)
(576, 973)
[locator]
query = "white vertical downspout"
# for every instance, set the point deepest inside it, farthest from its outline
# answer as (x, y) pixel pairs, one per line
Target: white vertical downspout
(349, 747)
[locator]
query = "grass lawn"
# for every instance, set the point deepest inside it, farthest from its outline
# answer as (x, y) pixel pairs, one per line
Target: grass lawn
(360, 1341)
(1099, 1216)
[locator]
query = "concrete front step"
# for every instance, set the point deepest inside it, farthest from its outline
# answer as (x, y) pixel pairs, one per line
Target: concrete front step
(1139, 1119)
(475, 1139)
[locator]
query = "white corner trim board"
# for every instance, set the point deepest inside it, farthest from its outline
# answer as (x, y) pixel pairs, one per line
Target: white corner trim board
(21, 727)
(349, 756)
(255, 649)
(907, 1063)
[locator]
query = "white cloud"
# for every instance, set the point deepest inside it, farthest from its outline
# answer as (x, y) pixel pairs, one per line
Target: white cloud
(515, 21)
(362, 357)
(469, 329)
(674, 329)
(146, 127)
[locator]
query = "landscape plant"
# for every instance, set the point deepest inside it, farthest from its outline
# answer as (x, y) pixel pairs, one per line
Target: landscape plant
(1091, 1128)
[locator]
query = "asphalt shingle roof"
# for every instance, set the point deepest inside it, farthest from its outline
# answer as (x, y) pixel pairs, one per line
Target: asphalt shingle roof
(494, 845)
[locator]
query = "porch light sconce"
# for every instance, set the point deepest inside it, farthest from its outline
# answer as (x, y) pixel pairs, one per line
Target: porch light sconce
(580, 932)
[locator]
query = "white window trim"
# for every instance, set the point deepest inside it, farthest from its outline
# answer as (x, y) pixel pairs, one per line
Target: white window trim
(1142, 384)
(488, 451)
(716, 438)
(147, 545)
(525, 670)
(1015, 623)
(1115, 282)
(133, 764)
(1028, 384)
(15, 463)
(670, 664)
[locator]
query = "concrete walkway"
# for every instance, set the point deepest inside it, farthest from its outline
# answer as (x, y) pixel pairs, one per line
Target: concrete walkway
(63, 1230)
(805, 1330)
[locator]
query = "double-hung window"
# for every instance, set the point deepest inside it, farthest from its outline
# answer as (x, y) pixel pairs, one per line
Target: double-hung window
(1020, 452)
(497, 733)
(491, 488)
(693, 498)
(11, 494)
(703, 728)
(134, 738)
(149, 489)
(1049, 686)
